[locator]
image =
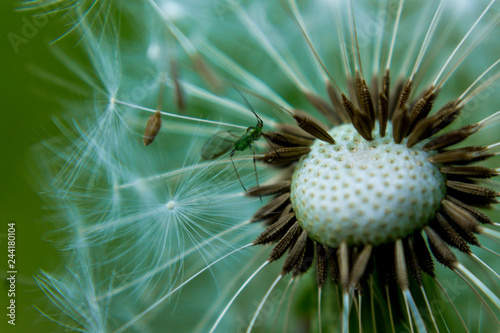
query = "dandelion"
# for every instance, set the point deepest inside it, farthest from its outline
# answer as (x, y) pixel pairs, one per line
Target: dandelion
(373, 163)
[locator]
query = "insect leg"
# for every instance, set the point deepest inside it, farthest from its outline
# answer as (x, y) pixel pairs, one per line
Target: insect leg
(235, 170)
(256, 176)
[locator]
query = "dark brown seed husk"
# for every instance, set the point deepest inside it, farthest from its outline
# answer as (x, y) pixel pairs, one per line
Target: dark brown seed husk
(472, 193)
(269, 189)
(313, 127)
(480, 216)
(441, 251)
(473, 171)
(271, 208)
(447, 233)
(284, 155)
(321, 265)
(461, 155)
(153, 127)
(451, 138)
(285, 242)
(287, 140)
(275, 230)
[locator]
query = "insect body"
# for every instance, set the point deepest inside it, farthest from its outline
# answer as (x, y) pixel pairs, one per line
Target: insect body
(224, 141)
(252, 134)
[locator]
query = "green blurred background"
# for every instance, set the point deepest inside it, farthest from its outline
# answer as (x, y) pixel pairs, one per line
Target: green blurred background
(27, 111)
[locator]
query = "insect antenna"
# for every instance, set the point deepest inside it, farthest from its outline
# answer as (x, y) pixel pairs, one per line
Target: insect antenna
(260, 123)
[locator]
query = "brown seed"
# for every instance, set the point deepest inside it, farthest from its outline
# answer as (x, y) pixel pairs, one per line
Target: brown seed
(422, 107)
(306, 260)
(153, 127)
(321, 265)
(460, 216)
(269, 189)
(383, 107)
(449, 234)
(435, 123)
(331, 254)
(312, 127)
(400, 117)
(287, 140)
(271, 208)
(473, 171)
(472, 193)
(359, 119)
(365, 99)
(441, 251)
(179, 95)
(295, 254)
(480, 216)
(400, 265)
(275, 230)
(412, 260)
(424, 258)
(343, 259)
(285, 242)
(284, 155)
(451, 138)
(360, 264)
(461, 155)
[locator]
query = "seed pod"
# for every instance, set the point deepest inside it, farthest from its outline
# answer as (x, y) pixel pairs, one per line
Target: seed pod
(153, 127)
(311, 126)
(285, 155)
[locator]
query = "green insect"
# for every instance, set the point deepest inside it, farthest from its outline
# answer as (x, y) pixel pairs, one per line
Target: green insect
(224, 141)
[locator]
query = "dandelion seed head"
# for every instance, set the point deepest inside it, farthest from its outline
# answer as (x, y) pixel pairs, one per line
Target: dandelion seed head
(364, 192)
(171, 205)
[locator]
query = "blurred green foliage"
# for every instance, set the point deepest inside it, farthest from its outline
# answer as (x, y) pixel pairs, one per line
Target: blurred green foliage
(28, 105)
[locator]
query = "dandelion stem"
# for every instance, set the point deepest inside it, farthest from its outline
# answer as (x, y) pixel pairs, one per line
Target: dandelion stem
(261, 304)
(319, 308)
(452, 304)
(428, 36)
(424, 294)
(478, 79)
(414, 310)
(485, 265)
(393, 40)
(178, 116)
(346, 305)
(462, 41)
(491, 295)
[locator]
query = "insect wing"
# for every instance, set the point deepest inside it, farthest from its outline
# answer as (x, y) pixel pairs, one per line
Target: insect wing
(218, 144)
